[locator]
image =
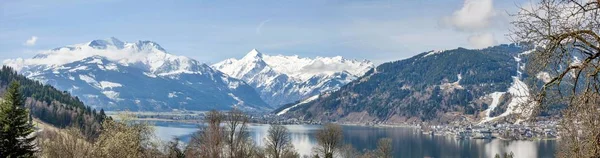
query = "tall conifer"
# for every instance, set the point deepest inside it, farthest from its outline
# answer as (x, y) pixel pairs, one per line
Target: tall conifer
(16, 138)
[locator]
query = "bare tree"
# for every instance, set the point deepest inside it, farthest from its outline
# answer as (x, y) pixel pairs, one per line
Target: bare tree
(125, 139)
(368, 154)
(348, 151)
(237, 136)
(230, 140)
(567, 59)
(208, 142)
(291, 154)
(384, 148)
(68, 143)
(329, 139)
(278, 143)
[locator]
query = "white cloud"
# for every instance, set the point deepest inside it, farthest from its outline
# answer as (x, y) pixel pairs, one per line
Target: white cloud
(31, 41)
(482, 40)
(474, 15)
(65, 55)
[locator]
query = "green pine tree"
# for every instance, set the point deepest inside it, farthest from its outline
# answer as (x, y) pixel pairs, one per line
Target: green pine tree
(16, 139)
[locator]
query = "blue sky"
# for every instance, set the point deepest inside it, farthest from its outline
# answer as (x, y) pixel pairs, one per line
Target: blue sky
(210, 31)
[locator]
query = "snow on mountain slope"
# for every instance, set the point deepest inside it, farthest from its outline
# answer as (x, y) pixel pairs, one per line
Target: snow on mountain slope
(520, 103)
(146, 55)
(118, 75)
(296, 105)
(284, 79)
(440, 87)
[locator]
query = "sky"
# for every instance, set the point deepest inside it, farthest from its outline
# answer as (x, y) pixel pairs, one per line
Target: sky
(211, 31)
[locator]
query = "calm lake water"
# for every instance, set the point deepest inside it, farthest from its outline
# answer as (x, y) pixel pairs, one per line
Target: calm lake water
(407, 142)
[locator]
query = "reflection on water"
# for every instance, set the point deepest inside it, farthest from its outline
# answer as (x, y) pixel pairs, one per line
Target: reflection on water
(407, 142)
(520, 148)
(301, 136)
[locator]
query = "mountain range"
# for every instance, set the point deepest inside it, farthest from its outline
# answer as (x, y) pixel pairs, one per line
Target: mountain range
(143, 76)
(117, 75)
(284, 79)
(435, 86)
(479, 85)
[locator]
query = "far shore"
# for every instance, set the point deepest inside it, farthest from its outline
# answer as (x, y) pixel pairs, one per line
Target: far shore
(115, 114)
(343, 124)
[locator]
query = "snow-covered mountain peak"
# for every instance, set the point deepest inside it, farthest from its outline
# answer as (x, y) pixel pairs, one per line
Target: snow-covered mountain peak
(254, 54)
(295, 67)
(104, 43)
(147, 55)
(113, 74)
(282, 79)
(147, 45)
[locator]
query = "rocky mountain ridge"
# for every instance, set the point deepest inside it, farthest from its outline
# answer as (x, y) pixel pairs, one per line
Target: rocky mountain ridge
(117, 75)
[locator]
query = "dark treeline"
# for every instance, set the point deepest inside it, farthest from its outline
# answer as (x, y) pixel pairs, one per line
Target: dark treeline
(53, 106)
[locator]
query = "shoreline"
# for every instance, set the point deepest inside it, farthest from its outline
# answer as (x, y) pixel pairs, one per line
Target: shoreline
(199, 121)
(379, 125)
(343, 124)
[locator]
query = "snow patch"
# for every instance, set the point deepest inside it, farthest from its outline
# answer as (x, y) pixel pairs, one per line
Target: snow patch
(101, 67)
(109, 85)
(231, 84)
(453, 85)
(96, 61)
(78, 68)
(112, 67)
(544, 76)
(176, 72)
(239, 101)
(575, 62)
(150, 75)
(296, 105)
(90, 80)
(520, 93)
(173, 94)
(519, 101)
(495, 101)
(433, 52)
(90, 96)
(113, 95)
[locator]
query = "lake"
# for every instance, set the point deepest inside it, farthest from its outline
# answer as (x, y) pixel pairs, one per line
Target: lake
(407, 142)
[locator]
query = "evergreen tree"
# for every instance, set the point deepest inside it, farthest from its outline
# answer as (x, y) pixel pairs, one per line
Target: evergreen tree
(102, 115)
(16, 138)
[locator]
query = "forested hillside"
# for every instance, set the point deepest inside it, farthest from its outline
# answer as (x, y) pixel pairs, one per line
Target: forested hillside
(53, 106)
(438, 86)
